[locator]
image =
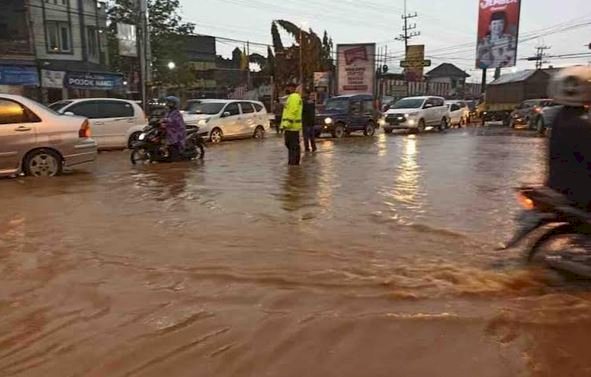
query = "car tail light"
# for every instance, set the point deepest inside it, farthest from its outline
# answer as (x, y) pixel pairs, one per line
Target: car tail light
(525, 202)
(84, 130)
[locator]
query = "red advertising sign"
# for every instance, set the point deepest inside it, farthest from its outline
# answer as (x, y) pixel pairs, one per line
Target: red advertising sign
(498, 31)
(356, 68)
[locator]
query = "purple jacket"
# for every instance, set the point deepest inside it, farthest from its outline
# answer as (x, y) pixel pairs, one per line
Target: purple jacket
(175, 128)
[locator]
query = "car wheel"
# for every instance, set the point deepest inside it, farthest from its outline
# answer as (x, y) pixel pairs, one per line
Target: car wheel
(339, 131)
(43, 163)
(216, 136)
(259, 133)
(443, 126)
(540, 126)
(132, 139)
(422, 126)
(370, 129)
(317, 134)
(462, 122)
(387, 130)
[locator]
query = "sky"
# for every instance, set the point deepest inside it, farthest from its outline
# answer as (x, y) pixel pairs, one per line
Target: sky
(448, 28)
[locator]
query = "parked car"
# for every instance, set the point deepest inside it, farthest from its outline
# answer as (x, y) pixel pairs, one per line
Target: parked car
(416, 114)
(459, 113)
(38, 141)
(115, 123)
(229, 119)
(543, 120)
(527, 111)
(346, 114)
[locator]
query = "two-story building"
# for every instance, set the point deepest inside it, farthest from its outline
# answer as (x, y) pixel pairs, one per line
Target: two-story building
(55, 49)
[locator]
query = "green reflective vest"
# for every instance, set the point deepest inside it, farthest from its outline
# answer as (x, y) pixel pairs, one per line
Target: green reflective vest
(292, 113)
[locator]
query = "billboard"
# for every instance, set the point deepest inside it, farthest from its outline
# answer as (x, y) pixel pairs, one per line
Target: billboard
(127, 36)
(498, 32)
(356, 68)
(415, 57)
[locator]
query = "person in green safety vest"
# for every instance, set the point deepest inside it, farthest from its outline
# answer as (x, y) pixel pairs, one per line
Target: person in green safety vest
(291, 123)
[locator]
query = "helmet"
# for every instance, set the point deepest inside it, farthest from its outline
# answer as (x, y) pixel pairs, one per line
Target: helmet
(571, 86)
(172, 101)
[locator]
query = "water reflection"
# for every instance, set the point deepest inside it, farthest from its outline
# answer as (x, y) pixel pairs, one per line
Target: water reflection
(408, 173)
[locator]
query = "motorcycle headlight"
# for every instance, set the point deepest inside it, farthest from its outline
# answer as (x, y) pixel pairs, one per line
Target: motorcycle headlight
(328, 120)
(382, 122)
(142, 136)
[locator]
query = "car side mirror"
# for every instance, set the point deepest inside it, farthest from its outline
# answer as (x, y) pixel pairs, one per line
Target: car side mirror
(69, 113)
(226, 114)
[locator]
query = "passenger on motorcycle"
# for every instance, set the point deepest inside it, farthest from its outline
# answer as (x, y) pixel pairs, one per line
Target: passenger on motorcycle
(176, 131)
(570, 140)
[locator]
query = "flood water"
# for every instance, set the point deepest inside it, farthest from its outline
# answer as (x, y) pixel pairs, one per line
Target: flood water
(376, 257)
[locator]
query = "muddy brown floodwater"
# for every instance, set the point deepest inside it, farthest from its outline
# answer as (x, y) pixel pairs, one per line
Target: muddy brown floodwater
(375, 258)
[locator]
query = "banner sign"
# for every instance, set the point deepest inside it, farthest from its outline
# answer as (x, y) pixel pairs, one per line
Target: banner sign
(52, 79)
(127, 36)
(498, 32)
(19, 75)
(321, 79)
(93, 81)
(415, 58)
(356, 69)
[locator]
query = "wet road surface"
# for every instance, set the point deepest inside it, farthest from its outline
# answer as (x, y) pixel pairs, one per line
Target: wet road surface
(374, 258)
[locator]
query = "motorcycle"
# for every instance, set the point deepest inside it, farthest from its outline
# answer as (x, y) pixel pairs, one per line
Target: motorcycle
(561, 225)
(149, 148)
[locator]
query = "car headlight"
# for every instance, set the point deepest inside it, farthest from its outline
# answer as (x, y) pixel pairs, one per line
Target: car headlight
(202, 122)
(328, 121)
(410, 115)
(382, 122)
(412, 122)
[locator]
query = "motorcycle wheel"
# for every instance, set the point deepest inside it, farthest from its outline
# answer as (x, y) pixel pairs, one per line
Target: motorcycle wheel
(200, 152)
(139, 155)
(555, 240)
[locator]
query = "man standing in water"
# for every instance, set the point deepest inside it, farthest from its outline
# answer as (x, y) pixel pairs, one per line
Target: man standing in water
(291, 123)
(308, 119)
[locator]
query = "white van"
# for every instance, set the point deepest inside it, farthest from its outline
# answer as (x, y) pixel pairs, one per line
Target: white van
(115, 123)
(228, 119)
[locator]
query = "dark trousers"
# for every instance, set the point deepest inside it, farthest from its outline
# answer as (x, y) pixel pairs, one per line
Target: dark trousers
(292, 142)
(309, 138)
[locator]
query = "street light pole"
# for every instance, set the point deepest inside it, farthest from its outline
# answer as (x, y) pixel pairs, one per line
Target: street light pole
(143, 51)
(301, 58)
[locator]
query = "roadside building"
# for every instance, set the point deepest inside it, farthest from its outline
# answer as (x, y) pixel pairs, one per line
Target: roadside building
(452, 76)
(55, 49)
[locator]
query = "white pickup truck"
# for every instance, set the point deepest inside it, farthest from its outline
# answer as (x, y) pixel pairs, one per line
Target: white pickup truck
(417, 114)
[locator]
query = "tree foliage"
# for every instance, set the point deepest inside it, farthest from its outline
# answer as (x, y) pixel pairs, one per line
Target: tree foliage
(316, 53)
(166, 29)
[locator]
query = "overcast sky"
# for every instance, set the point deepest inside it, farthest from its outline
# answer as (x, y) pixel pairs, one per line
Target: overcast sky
(444, 25)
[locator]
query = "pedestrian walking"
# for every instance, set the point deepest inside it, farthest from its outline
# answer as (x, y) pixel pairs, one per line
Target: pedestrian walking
(291, 123)
(308, 123)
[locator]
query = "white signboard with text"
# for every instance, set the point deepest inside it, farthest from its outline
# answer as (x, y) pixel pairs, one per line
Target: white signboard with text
(356, 68)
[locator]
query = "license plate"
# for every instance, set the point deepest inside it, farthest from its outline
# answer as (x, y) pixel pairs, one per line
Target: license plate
(141, 137)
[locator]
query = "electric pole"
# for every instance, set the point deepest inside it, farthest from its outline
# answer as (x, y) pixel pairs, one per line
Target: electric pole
(408, 32)
(143, 49)
(540, 56)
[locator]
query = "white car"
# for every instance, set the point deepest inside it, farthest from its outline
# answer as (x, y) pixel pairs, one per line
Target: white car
(115, 123)
(416, 114)
(459, 113)
(228, 119)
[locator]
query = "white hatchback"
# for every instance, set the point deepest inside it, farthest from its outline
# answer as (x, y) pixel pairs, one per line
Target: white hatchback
(459, 113)
(115, 123)
(228, 119)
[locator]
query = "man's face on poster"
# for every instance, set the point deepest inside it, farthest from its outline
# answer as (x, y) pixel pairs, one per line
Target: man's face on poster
(497, 28)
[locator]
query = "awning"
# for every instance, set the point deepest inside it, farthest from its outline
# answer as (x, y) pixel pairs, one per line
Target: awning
(18, 75)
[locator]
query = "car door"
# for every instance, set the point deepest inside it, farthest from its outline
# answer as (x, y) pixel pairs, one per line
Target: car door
(455, 113)
(18, 134)
(430, 112)
(229, 123)
(442, 110)
(115, 118)
(248, 121)
(355, 121)
(368, 111)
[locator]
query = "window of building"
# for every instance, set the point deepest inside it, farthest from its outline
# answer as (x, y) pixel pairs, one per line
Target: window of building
(93, 44)
(58, 36)
(57, 2)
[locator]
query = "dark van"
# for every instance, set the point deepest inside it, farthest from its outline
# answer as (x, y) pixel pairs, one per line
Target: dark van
(345, 114)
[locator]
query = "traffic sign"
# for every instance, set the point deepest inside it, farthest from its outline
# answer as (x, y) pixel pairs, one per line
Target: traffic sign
(415, 63)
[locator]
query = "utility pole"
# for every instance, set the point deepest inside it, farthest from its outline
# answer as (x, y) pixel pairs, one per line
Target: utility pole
(408, 32)
(143, 48)
(302, 58)
(540, 56)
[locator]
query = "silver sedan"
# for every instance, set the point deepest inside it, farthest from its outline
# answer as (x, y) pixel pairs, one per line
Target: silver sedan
(39, 142)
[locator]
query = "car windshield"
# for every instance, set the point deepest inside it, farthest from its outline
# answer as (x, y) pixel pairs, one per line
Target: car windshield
(207, 108)
(409, 103)
(337, 105)
(57, 106)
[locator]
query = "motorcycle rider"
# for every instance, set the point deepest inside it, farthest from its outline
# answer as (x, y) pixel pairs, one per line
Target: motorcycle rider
(175, 128)
(569, 162)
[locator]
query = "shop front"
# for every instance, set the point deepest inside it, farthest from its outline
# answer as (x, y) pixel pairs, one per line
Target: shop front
(19, 79)
(60, 85)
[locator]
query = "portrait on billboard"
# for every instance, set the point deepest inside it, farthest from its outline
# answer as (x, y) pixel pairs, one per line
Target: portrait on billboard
(498, 32)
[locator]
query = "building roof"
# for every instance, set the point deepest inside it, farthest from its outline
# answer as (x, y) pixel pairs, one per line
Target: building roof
(446, 70)
(515, 77)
